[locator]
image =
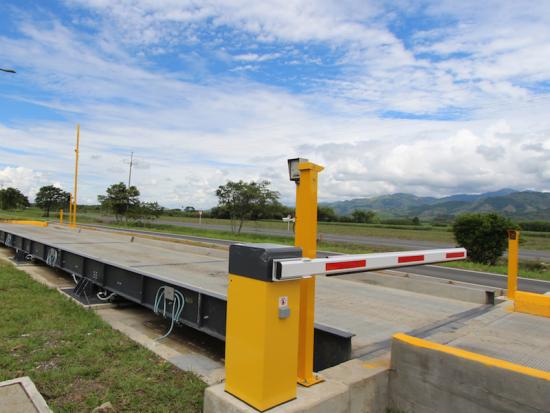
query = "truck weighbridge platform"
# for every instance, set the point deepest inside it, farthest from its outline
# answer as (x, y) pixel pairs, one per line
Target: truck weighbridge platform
(351, 317)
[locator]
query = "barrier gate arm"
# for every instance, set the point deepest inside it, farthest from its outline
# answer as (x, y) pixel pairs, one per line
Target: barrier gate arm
(286, 269)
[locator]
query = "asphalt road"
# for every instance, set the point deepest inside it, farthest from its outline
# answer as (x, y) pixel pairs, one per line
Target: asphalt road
(453, 274)
(361, 240)
(477, 277)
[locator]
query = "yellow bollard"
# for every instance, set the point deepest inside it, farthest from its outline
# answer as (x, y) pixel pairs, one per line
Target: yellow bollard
(306, 238)
(513, 265)
(61, 216)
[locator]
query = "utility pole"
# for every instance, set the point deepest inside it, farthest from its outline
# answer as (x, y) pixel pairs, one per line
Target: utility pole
(76, 174)
(130, 173)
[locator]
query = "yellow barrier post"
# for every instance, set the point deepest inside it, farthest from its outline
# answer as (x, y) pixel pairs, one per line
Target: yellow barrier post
(61, 216)
(73, 223)
(306, 238)
(513, 265)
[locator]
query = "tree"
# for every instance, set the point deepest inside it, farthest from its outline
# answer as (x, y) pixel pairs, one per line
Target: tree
(326, 214)
(273, 210)
(144, 210)
(365, 217)
(416, 221)
(13, 198)
(245, 200)
(483, 235)
(50, 197)
(119, 200)
(220, 212)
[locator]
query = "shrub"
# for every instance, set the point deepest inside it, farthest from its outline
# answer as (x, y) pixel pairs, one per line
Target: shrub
(483, 235)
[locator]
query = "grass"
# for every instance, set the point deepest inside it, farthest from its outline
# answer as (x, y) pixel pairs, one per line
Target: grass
(38, 215)
(526, 269)
(29, 213)
(530, 239)
(78, 361)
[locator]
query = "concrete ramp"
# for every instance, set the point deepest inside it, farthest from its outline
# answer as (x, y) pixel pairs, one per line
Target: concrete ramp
(427, 377)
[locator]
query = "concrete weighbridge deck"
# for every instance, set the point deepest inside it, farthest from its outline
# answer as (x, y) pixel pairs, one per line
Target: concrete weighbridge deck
(351, 318)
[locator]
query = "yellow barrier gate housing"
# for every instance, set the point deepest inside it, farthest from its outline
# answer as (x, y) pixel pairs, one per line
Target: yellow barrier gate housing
(262, 326)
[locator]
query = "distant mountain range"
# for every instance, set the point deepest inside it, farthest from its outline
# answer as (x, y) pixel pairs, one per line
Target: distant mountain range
(530, 205)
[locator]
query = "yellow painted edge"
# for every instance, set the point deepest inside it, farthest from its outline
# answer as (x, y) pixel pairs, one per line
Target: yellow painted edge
(533, 298)
(25, 222)
(532, 303)
(468, 355)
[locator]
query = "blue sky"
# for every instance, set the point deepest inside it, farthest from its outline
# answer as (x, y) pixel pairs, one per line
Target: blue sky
(431, 98)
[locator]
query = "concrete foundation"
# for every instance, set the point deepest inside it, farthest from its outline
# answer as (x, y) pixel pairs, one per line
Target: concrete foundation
(428, 381)
(423, 380)
(351, 387)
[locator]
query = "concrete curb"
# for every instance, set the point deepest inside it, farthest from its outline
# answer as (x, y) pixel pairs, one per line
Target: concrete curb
(17, 402)
(421, 284)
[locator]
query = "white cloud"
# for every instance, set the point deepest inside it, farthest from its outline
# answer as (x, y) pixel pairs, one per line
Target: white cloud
(26, 180)
(253, 57)
(146, 22)
(191, 137)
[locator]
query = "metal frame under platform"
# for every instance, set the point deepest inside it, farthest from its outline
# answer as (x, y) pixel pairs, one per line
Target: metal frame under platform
(205, 308)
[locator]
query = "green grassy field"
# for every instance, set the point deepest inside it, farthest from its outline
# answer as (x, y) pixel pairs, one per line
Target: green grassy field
(37, 214)
(77, 361)
(526, 270)
(530, 240)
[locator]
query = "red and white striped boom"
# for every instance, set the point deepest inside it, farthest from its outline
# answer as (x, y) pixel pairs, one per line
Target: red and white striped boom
(285, 269)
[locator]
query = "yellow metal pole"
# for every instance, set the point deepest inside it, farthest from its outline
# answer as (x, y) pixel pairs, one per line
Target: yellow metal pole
(61, 216)
(76, 174)
(513, 264)
(306, 238)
